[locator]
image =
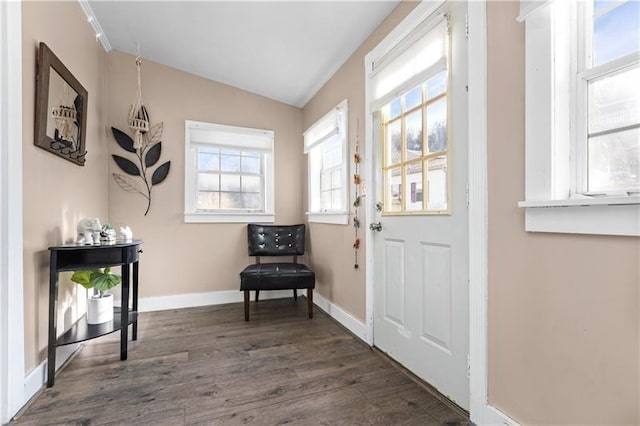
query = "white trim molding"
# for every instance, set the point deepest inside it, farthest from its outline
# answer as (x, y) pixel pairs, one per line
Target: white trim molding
(192, 300)
(37, 378)
(12, 395)
(351, 323)
(481, 411)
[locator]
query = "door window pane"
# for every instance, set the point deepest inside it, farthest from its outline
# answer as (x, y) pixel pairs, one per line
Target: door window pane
(414, 135)
(413, 193)
(394, 143)
(413, 98)
(437, 85)
(437, 183)
(437, 125)
(393, 190)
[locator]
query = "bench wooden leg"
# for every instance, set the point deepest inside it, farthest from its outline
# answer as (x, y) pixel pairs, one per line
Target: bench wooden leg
(246, 305)
(295, 294)
(310, 301)
(257, 294)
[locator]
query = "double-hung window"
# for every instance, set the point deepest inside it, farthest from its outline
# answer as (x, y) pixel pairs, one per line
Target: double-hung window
(228, 173)
(582, 116)
(325, 144)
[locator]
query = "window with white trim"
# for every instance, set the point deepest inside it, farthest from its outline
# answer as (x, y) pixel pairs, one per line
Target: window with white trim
(582, 116)
(228, 173)
(325, 144)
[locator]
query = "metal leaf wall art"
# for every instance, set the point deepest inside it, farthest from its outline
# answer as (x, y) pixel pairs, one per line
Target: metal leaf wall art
(147, 156)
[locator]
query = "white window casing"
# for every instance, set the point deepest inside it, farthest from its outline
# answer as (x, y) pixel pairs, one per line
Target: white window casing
(329, 131)
(203, 135)
(555, 134)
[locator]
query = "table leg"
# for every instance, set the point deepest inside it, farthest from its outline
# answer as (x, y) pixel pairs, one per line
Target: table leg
(124, 313)
(134, 332)
(53, 297)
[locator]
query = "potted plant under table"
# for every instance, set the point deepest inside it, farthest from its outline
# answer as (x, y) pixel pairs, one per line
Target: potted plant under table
(100, 303)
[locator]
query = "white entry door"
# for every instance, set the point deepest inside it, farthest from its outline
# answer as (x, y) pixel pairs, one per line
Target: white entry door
(421, 314)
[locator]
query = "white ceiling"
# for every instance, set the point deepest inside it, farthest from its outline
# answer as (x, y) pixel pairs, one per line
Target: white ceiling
(283, 50)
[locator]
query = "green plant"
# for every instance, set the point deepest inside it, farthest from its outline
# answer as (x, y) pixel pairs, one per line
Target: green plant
(99, 280)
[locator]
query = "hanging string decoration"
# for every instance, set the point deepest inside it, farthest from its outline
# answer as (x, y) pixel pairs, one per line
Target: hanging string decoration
(146, 146)
(357, 197)
(138, 115)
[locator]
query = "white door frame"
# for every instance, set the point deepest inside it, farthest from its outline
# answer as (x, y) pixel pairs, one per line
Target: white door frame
(12, 374)
(481, 411)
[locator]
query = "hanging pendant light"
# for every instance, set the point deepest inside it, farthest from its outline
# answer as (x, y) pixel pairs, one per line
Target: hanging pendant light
(138, 116)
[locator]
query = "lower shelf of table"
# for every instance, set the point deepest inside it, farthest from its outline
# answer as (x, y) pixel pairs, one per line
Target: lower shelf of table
(82, 331)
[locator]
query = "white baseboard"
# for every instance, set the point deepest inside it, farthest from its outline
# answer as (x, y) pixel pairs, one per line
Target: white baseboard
(351, 323)
(191, 300)
(491, 416)
(37, 378)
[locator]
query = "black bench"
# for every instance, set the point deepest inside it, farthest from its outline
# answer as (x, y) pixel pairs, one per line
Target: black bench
(276, 240)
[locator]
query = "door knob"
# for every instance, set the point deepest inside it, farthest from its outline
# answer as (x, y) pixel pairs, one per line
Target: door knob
(376, 226)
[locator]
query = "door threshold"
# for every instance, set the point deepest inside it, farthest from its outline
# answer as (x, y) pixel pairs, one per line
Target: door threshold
(425, 385)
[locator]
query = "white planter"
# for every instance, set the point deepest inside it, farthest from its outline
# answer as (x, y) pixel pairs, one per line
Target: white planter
(100, 309)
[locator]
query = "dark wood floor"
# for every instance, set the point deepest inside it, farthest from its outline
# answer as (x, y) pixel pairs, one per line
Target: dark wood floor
(208, 366)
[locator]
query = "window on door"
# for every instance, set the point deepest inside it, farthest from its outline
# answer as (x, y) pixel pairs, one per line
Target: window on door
(415, 154)
(412, 99)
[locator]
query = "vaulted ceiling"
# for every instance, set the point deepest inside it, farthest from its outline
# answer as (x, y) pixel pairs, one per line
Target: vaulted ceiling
(284, 50)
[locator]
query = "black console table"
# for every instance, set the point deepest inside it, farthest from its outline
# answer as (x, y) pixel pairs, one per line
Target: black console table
(73, 257)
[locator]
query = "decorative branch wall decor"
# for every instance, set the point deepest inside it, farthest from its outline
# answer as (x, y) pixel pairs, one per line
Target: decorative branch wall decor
(356, 203)
(147, 147)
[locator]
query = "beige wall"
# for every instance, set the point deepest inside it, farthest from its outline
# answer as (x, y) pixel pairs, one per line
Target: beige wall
(184, 258)
(563, 309)
(330, 246)
(58, 193)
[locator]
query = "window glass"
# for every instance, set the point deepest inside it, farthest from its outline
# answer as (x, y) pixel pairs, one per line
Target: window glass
(614, 162)
(616, 30)
(237, 183)
(614, 100)
(326, 147)
(405, 173)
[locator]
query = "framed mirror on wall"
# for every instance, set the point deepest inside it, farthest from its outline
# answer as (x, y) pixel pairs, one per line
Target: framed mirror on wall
(61, 109)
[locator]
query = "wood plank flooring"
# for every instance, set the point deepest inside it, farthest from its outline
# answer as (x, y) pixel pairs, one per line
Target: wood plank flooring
(207, 366)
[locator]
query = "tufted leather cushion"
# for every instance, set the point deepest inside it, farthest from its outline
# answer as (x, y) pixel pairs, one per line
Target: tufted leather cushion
(277, 276)
(274, 240)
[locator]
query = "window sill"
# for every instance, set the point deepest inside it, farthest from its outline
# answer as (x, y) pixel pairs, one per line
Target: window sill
(229, 218)
(330, 218)
(599, 216)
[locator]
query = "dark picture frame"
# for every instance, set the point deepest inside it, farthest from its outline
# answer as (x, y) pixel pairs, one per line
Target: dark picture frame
(61, 109)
